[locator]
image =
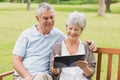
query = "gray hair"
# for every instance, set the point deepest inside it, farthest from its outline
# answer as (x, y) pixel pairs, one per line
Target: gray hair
(43, 6)
(76, 18)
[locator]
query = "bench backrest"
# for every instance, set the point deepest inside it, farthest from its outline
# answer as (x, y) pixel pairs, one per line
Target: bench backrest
(109, 51)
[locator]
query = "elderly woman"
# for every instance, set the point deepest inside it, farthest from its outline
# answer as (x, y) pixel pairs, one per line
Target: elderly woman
(84, 70)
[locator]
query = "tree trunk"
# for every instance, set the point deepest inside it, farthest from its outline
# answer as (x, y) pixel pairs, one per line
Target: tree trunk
(43, 0)
(101, 8)
(22, 1)
(58, 1)
(12, 1)
(108, 2)
(28, 4)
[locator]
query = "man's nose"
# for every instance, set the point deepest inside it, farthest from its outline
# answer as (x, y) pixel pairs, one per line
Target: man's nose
(49, 20)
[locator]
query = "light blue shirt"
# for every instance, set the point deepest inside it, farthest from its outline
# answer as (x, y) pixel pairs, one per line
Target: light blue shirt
(35, 48)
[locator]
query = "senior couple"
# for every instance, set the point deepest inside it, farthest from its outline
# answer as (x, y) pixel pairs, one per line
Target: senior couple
(36, 47)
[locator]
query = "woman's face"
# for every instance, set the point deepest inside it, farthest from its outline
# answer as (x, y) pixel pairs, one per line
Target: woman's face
(73, 32)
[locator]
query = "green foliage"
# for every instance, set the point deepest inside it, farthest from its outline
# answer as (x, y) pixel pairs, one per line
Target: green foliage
(52, 1)
(70, 2)
(36, 1)
(83, 8)
(3, 0)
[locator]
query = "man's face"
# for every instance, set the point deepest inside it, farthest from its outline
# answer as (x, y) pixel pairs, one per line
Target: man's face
(46, 20)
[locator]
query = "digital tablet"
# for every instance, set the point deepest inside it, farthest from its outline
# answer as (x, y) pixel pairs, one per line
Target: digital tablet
(67, 61)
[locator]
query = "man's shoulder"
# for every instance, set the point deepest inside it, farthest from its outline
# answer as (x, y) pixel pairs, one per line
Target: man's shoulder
(28, 31)
(57, 31)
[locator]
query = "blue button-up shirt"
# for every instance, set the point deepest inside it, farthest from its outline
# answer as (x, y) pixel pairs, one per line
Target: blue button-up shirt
(35, 48)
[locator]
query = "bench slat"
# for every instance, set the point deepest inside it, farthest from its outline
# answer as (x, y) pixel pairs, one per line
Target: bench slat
(99, 61)
(108, 51)
(119, 68)
(109, 68)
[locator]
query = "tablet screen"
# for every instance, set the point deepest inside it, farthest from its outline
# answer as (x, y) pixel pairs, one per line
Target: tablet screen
(67, 61)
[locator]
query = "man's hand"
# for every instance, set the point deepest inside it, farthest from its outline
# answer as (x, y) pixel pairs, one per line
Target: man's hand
(92, 45)
(19, 67)
(28, 77)
(54, 70)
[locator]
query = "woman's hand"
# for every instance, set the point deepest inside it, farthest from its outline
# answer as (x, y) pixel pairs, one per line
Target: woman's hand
(84, 66)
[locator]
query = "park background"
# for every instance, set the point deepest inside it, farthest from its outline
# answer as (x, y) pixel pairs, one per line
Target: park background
(104, 30)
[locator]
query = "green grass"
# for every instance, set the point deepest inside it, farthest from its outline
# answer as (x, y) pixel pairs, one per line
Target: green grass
(103, 30)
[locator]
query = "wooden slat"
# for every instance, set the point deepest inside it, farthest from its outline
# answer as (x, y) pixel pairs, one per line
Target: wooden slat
(99, 61)
(119, 68)
(0, 78)
(109, 68)
(108, 51)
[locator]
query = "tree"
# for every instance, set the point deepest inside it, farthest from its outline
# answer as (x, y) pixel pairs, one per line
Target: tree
(108, 2)
(101, 8)
(43, 0)
(58, 1)
(28, 4)
(11, 0)
(22, 1)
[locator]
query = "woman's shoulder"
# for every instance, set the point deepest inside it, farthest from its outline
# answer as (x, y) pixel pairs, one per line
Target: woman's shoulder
(85, 44)
(56, 49)
(56, 45)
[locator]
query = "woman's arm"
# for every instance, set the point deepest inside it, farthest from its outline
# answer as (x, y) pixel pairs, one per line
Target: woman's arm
(84, 66)
(55, 51)
(89, 64)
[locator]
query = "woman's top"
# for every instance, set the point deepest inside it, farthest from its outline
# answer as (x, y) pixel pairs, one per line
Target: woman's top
(72, 73)
(57, 51)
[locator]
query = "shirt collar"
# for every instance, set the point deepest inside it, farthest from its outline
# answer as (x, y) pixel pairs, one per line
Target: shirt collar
(36, 33)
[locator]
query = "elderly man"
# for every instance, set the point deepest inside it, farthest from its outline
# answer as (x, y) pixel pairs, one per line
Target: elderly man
(31, 54)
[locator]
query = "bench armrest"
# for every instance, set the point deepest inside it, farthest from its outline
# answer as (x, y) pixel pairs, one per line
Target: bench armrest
(6, 74)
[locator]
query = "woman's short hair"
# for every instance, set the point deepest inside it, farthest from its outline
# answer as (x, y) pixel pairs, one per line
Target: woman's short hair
(76, 18)
(43, 6)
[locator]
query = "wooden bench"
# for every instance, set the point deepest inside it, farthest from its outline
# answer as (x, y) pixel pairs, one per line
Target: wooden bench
(110, 52)
(6, 74)
(100, 51)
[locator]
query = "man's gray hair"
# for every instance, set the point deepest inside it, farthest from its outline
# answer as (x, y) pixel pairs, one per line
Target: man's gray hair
(76, 18)
(43, 6)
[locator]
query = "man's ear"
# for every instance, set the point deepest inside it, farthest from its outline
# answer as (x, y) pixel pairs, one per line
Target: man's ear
(37, 18)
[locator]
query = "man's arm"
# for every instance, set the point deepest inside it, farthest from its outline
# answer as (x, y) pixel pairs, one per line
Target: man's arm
(18, 66)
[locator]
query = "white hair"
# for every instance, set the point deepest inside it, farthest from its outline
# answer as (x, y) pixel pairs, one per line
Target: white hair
(43, 6)
(76, 18)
